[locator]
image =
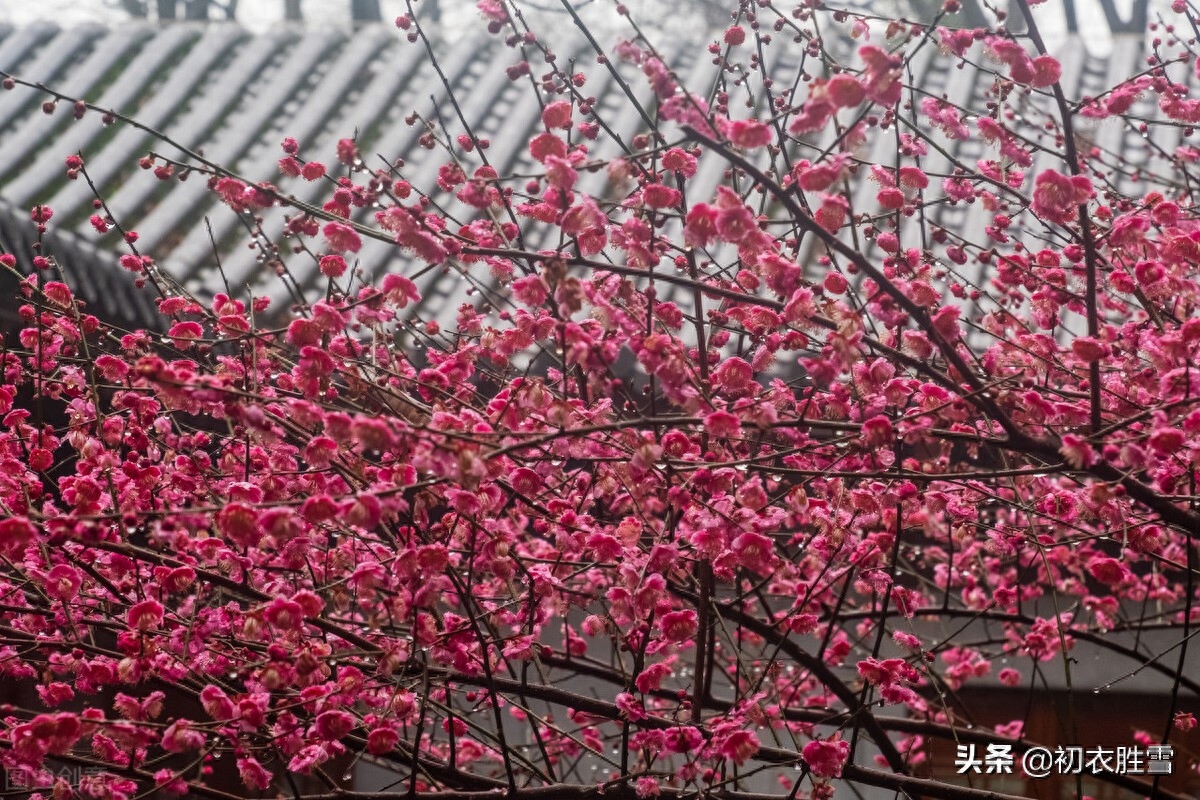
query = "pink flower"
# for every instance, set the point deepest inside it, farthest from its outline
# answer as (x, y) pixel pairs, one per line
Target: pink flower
(1046, 71)
(587, 223)
(1057, 197)
(55, 694)
(232, 192)
(888, 674)
(314, 755)
(733, 375)
(373, 433)
(58, 293)
(946, 117)
(913, 178)
(1184, 721)
(1009, 676)
(216, 703)
(545, 145)
(1020, 66)
(333, 266)
(700, 227)
(845, 91)
(835, 283)
(882, 74)
(955, 40)
(399, 289)
(557, 114)
(342, 237)
(651, 677)
(647, 787)
(1149, 273)
(1078, 453)
(630, 707)
(734, 35)
(319, 508)
(1011, 730)
(890, 199)
(655, 195)
(747, 133)
(145, 615)
(180, 737)
(814, 115)
(284, 614)
(722, 424)
(382, 740)
(817, 177)
(63, 582)
(826, 757)
(493, 10)
(684, 739)
(678, 626)
(739, 746)
(831, 214)
(333, 725)
(169, 783)
(525, 481)
(238, 523)
(184, 333)
(1165, 442)
(754, 551)
(1089, 349)
(735, 223)
(560, 174)
(313, 170)
(46, 733)
(1109, 571)
(679, 160)
(347, 151)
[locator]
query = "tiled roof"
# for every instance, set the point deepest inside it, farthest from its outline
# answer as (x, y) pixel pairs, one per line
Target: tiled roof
(236, 95)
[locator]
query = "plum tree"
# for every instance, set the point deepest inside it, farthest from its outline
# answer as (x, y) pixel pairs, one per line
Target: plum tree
(756, 455)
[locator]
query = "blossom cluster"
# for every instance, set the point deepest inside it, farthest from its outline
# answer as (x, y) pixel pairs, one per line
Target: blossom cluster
(708, 494)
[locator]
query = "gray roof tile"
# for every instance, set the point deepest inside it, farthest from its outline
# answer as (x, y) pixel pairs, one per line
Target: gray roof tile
(236, 95)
